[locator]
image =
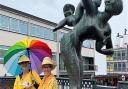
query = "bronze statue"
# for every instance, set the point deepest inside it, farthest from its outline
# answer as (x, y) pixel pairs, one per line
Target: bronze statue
(89, 24)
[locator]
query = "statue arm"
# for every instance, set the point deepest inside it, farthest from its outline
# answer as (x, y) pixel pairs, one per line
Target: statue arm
(61, 24)
(89, 6)
(79, 12)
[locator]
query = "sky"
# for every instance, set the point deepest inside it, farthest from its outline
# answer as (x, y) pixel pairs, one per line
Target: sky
(52, 10)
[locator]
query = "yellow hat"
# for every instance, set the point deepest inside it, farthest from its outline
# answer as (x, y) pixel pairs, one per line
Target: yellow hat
(24, 58)
(48, 61)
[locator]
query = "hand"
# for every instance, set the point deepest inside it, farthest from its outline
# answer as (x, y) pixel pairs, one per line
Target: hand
(29, 87)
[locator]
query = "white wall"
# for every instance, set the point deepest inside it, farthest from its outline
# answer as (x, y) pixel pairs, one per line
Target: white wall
(100, 61)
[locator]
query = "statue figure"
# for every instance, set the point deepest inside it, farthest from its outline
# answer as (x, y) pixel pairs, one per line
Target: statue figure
(70, 19)
(90, 24)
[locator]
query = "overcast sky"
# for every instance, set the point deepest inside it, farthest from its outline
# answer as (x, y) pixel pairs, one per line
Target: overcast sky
(52, 10)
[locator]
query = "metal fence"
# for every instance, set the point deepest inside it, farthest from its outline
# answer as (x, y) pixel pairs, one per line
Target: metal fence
(86, 83)
(7, 83)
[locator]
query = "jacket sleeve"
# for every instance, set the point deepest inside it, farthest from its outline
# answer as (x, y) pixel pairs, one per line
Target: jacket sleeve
(36, 77)
(16, 83)
(55, 84)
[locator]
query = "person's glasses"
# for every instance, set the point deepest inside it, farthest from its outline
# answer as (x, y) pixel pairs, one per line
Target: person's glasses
(23, 62)
(46, 66)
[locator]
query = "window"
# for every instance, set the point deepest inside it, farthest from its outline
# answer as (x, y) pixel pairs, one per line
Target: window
(118, 55)
(14, 25)
(115, 55)
(88, 63)
(119, 66)
(23, 27)
(54, 56)
(123, 66)
(88, 44)
(41, 32)
(124, 54)
(115, 66)
(48, 34)
(34, 30)
(3, 49)
(4, 22)
(0, 22)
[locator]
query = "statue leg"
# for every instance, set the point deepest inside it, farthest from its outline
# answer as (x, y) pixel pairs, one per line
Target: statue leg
(109, 46)
(71, 61)
(107, 51)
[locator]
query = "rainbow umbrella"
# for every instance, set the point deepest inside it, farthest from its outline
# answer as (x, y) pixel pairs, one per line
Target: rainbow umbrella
(36, 50)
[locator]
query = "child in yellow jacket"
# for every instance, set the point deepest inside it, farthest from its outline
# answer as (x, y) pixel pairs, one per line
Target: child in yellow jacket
(27, 81)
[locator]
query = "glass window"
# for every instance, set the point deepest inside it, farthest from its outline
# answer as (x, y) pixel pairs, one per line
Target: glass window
(118, 55)
(115, 66)
(124, 54)
(119, 66)
(123, 66)
(115, 55)
(4, 22)
(88, 63)
(49, 34)
(23, 27)
(14, 25)
(88, 44)
(54, 56)
(3, 49)
(42, 31)
(34, 30)
(0, 22)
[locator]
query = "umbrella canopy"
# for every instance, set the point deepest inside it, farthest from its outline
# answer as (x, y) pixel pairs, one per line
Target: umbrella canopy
(36, 50)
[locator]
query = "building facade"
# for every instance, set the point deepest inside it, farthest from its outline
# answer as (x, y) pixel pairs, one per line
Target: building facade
(16, 25)
(118, 63)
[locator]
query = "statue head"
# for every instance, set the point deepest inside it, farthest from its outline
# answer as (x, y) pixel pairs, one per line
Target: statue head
(97, 2)
(113, 7)
(68, 9)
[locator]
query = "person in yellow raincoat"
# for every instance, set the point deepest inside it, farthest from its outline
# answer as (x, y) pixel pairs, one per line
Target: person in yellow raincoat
(27, 79)
(49, 81)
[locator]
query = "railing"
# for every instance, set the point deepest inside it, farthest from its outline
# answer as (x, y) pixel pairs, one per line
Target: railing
(123, 85)
(86, 83)
(7, 83)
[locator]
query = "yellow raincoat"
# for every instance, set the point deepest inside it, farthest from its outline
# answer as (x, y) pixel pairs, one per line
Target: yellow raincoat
(21, 83)
(49, 83)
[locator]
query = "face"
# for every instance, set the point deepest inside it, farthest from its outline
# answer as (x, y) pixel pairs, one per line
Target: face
(24, 65)
(47, 69)
(109, 4)
(68, 10)
(114, 7)
(67, 13)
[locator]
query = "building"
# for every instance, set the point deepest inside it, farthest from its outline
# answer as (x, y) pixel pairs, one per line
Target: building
(16, 25)
(118, 64)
